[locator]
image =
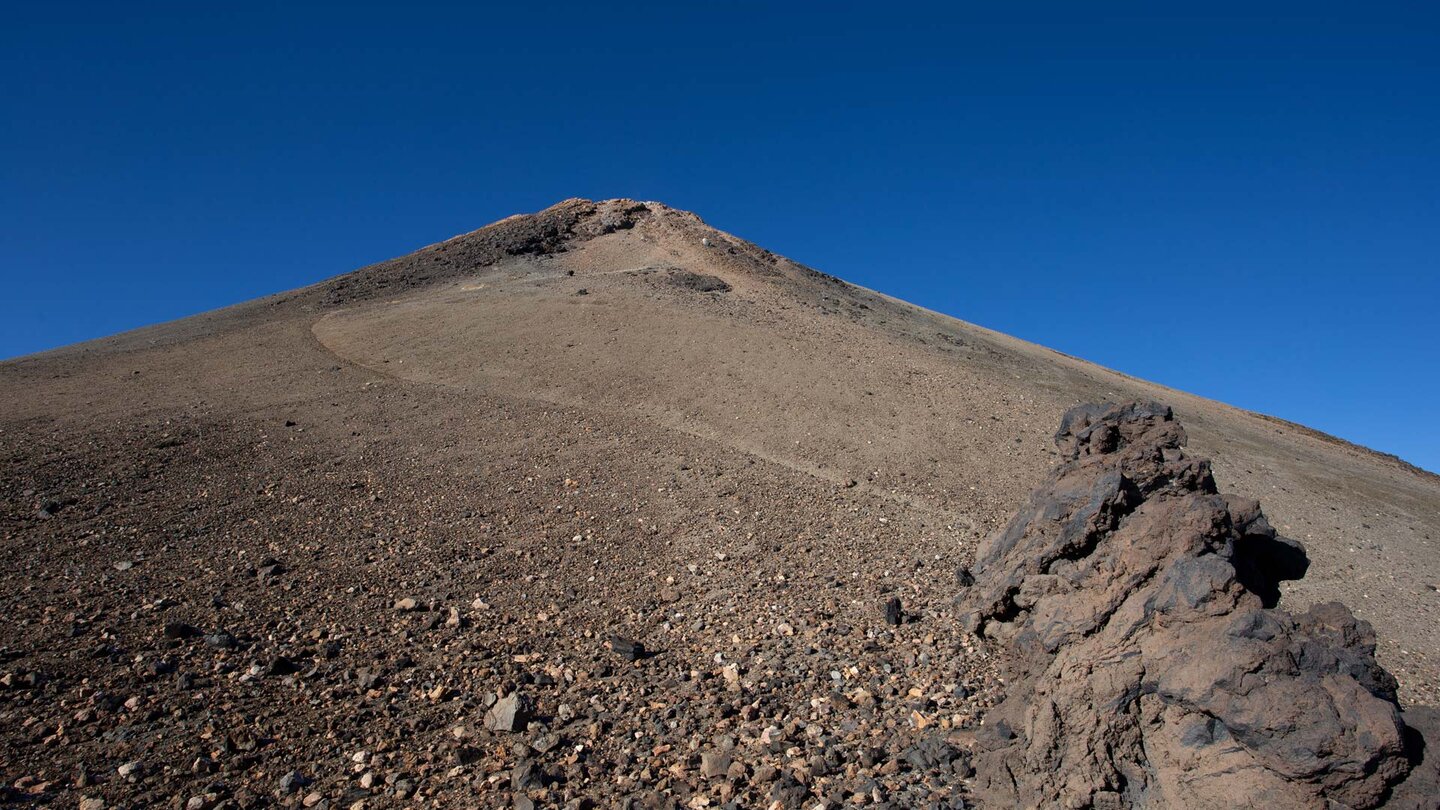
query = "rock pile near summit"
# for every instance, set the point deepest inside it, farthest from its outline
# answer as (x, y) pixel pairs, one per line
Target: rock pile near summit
(1147, 662)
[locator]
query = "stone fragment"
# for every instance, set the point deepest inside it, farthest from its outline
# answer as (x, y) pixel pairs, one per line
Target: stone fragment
(545, 742)
(627, 648)
(292, 782)
(893, 612)
(526, 776)
(180, 630)
(714, 764)
(280, 666)
(508, 714)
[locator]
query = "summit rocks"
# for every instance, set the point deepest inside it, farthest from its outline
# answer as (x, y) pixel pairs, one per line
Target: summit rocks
(1147, 662)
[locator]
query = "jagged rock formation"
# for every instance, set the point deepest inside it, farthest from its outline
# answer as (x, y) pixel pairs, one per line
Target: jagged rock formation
(1147, 663)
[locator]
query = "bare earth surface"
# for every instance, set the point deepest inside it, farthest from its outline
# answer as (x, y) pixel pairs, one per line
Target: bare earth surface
(312, 550)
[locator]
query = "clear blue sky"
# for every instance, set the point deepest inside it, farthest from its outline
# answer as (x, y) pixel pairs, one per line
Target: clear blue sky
(1241, 204)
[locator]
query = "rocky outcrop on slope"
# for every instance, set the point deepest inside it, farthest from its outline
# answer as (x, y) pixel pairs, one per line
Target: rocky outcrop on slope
(1147, 663)
(550, 231)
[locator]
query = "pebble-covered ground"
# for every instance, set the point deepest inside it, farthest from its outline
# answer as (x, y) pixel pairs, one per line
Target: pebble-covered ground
(236, 615)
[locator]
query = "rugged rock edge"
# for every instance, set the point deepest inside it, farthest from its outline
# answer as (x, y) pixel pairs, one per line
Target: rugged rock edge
(547, 232)
(1146, 661)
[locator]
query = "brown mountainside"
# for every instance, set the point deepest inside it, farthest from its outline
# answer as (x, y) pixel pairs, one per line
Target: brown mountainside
(604, 417)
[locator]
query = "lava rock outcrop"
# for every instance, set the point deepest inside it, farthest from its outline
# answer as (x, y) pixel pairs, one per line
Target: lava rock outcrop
(554, 230)
(1146, 661)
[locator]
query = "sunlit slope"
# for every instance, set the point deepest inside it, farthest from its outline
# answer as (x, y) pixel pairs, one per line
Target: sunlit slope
(851, 386)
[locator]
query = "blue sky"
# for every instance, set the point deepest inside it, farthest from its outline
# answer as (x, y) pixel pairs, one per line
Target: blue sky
(1241, 204)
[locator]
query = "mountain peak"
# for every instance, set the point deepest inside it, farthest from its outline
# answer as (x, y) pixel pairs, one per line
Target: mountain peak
(560, 228)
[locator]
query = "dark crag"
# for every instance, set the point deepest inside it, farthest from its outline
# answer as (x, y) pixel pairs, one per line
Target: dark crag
(1147, 662)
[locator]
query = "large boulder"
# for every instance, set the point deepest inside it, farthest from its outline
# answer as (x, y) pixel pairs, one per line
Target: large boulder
(1147, 663)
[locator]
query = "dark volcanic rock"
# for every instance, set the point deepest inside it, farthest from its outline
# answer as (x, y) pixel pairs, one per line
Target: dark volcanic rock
(280, 666)
(699, 282)
(180, 630)
(526, 776)
(893, 612)
(1146, 661)
(627, 648)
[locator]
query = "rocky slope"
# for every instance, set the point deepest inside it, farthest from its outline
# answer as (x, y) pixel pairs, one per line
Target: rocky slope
(297, 552)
